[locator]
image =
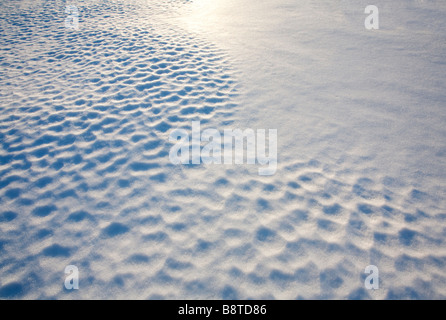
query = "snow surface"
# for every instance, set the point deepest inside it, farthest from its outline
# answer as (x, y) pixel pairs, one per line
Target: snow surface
(85, 176)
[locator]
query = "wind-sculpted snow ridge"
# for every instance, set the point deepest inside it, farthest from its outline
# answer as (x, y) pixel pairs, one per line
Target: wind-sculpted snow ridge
(84, 167)
(85, 176)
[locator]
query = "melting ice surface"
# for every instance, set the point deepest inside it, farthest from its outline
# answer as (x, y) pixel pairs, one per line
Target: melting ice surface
(85, 176)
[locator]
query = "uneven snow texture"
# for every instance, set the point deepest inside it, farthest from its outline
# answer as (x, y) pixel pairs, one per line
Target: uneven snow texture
(85, 177)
